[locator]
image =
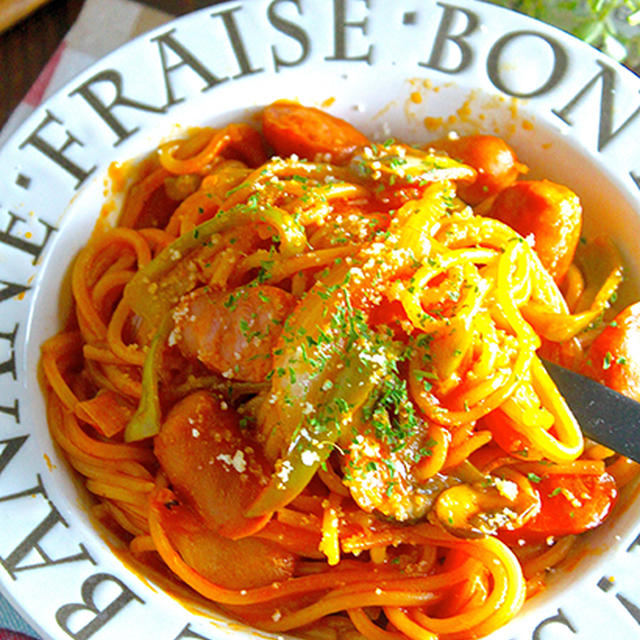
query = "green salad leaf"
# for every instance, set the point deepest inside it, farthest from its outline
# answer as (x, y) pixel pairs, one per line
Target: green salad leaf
(613, 26)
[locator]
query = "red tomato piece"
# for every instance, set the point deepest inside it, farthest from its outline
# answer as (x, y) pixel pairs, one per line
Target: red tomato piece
(614, 356)
(493, 159)
(212, 465)
(570, 504)
(550, 212)
(308, 132)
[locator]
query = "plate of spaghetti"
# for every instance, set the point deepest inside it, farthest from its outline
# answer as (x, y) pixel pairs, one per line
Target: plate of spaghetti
(275, 337)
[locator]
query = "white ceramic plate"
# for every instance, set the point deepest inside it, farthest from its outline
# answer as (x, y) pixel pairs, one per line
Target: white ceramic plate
(410, 68)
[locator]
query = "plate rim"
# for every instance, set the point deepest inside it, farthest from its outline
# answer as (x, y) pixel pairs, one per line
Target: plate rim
(32, 121)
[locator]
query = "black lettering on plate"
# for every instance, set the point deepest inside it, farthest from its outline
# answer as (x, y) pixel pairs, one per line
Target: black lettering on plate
(57, 155)
(11, 289)
(340, 33)
(559, 618)
(560, 62)
(186, 59)
(9, 449)
(633, 609)
(12, 410)
(235, 38)
(101, 617)
(114, 78)
(9, 366)
(187, 632)
(636, 542)
(606, 132)
(290, 29)
(607, 584)
(23, 181)
(33, 249)
(12, 563)
(444, 36)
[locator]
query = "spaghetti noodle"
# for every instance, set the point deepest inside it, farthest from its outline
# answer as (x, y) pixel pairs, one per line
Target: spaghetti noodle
(310, 389)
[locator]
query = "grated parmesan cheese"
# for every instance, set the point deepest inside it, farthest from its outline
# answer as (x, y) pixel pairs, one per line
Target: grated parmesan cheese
(284, 471)
(507, 488)
(309, 457)
(238, 461)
